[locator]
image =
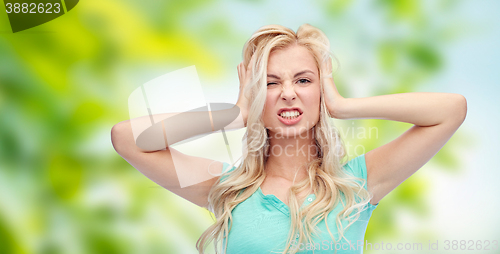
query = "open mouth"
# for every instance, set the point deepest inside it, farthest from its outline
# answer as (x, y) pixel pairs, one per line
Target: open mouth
(289, 115)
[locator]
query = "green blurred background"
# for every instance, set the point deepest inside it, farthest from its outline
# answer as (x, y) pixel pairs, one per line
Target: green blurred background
(64, 84)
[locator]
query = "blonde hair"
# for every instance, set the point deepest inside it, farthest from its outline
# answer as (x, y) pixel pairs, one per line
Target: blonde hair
(326, 176)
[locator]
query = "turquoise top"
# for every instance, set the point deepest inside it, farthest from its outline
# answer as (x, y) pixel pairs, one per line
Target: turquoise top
(261, 223)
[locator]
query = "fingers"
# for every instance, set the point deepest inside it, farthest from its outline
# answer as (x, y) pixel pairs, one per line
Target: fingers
(327, 68)
(239, 67)
(244, 74)
(328, 64)
(251, 63)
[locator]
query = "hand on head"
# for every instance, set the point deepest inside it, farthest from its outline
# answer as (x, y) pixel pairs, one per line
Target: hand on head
(332, 97)
(245, 77)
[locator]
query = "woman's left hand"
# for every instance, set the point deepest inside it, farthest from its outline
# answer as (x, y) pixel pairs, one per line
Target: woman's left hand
(333, 99)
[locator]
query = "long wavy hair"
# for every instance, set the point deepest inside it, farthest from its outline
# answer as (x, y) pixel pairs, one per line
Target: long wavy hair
(326, 176)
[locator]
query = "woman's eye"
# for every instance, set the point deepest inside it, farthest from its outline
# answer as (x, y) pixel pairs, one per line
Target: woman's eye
(270, 84)
(303, 81)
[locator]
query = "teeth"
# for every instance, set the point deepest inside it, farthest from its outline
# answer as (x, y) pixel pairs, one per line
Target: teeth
(290, 114)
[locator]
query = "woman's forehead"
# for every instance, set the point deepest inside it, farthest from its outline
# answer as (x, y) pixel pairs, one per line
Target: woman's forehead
(291, 60)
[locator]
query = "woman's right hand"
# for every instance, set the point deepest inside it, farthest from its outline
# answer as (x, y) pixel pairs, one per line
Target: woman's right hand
(245, 76)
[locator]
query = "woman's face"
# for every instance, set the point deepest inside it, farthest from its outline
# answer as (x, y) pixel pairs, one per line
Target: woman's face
(293, 92)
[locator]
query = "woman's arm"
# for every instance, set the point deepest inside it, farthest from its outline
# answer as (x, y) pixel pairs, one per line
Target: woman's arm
(145, 143)
(421, 109)
(156, 132)
(187, 176)
(436, 117)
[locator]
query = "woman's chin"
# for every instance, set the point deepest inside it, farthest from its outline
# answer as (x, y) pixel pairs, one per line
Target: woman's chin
(291, 132)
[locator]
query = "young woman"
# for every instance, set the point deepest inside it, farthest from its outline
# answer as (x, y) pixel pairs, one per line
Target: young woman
(295, 191)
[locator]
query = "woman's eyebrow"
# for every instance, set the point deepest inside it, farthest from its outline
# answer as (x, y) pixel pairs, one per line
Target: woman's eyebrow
(296, 75)
(303, 72)
(272, 76)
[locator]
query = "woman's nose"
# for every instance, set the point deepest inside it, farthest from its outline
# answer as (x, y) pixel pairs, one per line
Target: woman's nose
(288, 92)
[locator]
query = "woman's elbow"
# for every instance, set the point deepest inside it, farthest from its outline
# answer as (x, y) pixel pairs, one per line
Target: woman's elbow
(463, 107)
(120, 133)
(459, 108)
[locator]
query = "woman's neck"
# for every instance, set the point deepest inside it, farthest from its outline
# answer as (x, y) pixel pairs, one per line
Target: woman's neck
(288, 157)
